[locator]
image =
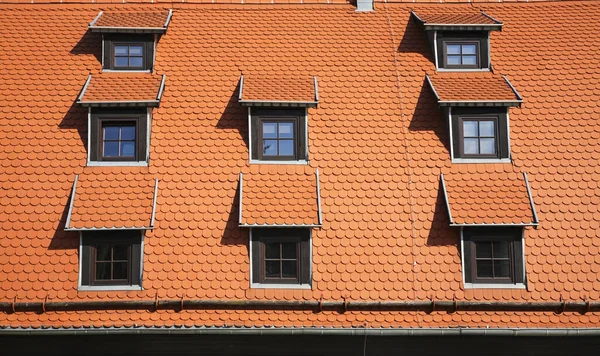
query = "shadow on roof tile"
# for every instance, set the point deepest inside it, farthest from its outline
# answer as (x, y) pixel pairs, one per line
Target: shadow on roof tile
(415, 40)
(429, 117)
(64, 240)
(76, 119)
(90, 43)
(235, 116)
(439, 232)
(233, 234)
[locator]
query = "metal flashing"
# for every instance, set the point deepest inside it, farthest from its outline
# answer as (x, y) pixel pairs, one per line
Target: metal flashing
(491, 18)
(73, 192)
(109, 29)
(416, 16)
(513, 88)
(241, 195)
(432, 87)
(110, 228)
(241, 88)
(480, 103)
(279, 103)
(166, 25)
(125, 103)
(320, 217)
(283, 225)
(161, 88)
(91, 24)
(154, 203)
(85, 86)
(461, 27)
(495, 225)
(316, 89)
(446, 197)
(535, 217)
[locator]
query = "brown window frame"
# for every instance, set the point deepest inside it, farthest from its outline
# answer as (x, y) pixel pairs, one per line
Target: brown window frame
(262, 115)
(120, 39)
(500, 114)
(299, 236)
(513, 235)
(113, 55)
(90, 240)
(461, 135)
(110, 116)
(461, 43)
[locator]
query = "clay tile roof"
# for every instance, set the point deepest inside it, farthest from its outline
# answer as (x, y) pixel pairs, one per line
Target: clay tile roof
(114, 200)
(122, 89)
(473, 88)
(462, 19)
(280, 195)
(132, 21)
(267, 89)
(474, 197)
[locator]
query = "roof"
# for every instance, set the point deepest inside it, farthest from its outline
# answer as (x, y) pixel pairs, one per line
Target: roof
(103, 200)
(473, 88)
(460, 18)
(132, 21)
(378, 139)
(278, 90)
(479, 196)
(274, 195)
(122, 89)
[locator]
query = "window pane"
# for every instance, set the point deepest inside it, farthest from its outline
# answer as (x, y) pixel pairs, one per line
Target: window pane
(469, 60)
(471, 146)
(270, 147)
(121, 61)
(103, 253)
(119, 252)
(272, 269)
(454, 60)
(103, 270)
(487, 146)
(269, 130)
(453, 49)
(288, 250)
(469, 48)
(286, 147)
(286, 130)
(111, 149)
(502, 269)
(136, 61)
(128, 133)
(483, 250)
(272, 250)
(484, 269)
(470, 129)
(121, 50)
(136, 50)
(288, 269)
(120, 270)
(501, 249)
(127, 149)
(111, 133)
(486, 128)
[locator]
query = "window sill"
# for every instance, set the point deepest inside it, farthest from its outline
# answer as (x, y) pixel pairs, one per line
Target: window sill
(463, 70)
(279, 286)
(126, 71)
(481, 160)
(494, 286)
(117, 164)
(108, 288)
(255, 161)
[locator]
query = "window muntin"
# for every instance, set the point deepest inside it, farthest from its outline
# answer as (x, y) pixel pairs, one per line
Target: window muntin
(111, 263)
(119, 140)
(128, 55)
(461, 54)
(278, 134)
(280, 260)
(479, 137)
(462, 50)
(128, 52)
(278, 139)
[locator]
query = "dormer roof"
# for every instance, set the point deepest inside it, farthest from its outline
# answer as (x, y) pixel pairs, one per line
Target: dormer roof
(457, 21)
(132, 21)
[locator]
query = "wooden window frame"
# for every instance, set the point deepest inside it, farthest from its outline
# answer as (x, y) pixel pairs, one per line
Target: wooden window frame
(461, 136)
(479, 38)
(500, 114)
(261, 115)
(112, 40)
(513, 235)
(461, 43)
(100, 117)
(299, 236)
(92, 239)
(113, 55)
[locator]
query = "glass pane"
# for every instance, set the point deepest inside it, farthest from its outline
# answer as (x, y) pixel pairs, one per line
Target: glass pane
(272, 269)
(111, 133)
(487, 146)
(120, 270)
(502, 269)
(286, 147)
(128, 133)
(111, 149)
(470, 129)
(453, 49)
(270, 147)
(288, 269)
(136, 50)
(484, 269)
(272, 250)
(127, 149)
(269, 130)
(286, 130)
(121, 50)
(469, 49)
(103, 253)
(454, 60)
(500, 249)
(486, 128)
(136, 61)
(471, 146)
(469, 60)
(103, 270)
(121, 61)
(288, 250)
(483, 250)
(120, 253)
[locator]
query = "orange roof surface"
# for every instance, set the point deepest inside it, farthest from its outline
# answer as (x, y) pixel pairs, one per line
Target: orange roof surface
(464, 87)
(484, 196)
(132, 19)
(103, 199)
(378, 139)
(460, 16)
(280, 195)
(282, 88)
(122, 87)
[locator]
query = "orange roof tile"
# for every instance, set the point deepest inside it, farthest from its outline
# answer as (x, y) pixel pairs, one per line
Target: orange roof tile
(458, 16)
(112, 201)
(474, 196)
(454, 88)
(268, 88)
(131, 21)
(279, 195)
(122, 88)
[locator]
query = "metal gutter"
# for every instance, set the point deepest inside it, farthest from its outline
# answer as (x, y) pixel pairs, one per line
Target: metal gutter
(91, 24)
(241, 205)
(535, 217)
(154, 204)
(462, 27)
(316, 89)
(432, 87)
(241, 88)
(497, 225)
(110, 29)
(480, 102)
(161, 88)
(71, 202)
(513, 88)
(166, 25)
(85, 86)
(446, 197)
(275, 225)
(287, 103)
(320, 217)
(151, 103)
(109, 228)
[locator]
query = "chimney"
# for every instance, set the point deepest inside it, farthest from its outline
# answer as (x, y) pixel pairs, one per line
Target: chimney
(364, 5)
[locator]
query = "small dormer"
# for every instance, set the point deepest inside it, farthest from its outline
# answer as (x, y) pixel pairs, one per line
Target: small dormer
(129, 39)
(459, 41)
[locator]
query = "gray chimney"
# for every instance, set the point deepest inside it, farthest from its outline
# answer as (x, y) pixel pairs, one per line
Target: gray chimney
(364, 5)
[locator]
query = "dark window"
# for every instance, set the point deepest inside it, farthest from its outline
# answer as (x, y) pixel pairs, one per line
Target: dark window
(111, 258)
(461, 54)
(463, 49)
(281, 255)
(128, 52)
(128, 56)
(480, 133)
(118, 137)
(493, 255)
(278, 135)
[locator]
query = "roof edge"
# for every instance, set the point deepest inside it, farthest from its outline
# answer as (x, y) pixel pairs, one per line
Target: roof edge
(71, 203)
(494, 225)
(154, 204)
(130, 103)
(480, 102)
(319, 212)
(282, 225)
(287, 103)
(432, 87)
(109, 228)
(241, 195)
(535, 217)
(446, 197)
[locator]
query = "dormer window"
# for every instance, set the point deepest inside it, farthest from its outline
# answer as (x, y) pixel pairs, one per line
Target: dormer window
(461, 54)
(128, 55)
